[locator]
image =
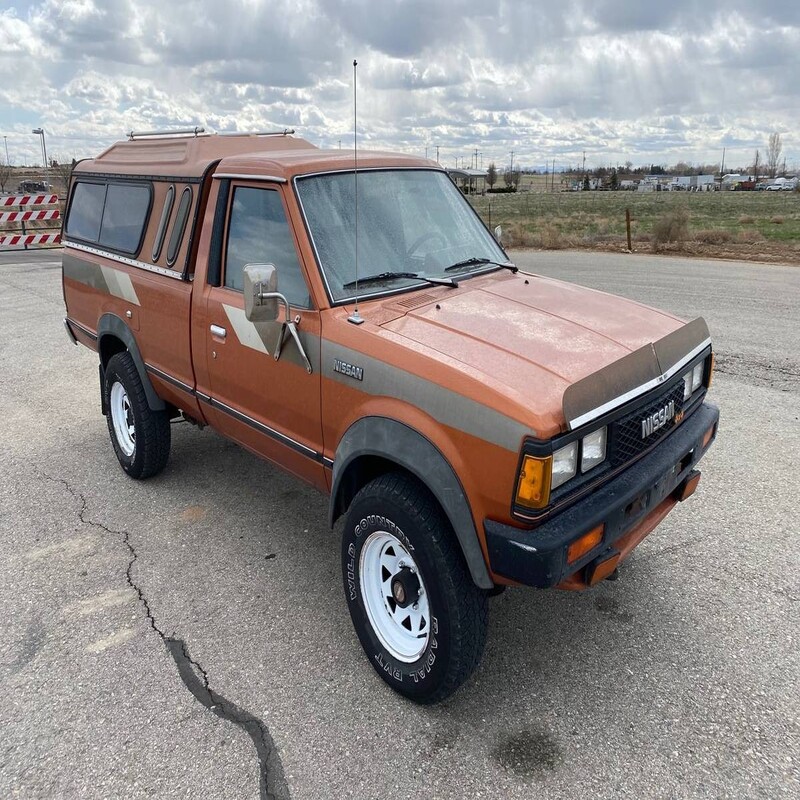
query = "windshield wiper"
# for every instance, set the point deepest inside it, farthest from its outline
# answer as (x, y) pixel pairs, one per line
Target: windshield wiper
(385, 276)
(474, 261)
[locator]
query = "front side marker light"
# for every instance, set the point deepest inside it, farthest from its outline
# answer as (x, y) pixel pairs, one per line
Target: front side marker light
(593, 451)
(533, 485)
(565, 464)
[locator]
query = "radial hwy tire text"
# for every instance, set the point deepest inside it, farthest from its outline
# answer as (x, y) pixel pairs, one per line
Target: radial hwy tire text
(141, 436)
(420, 618)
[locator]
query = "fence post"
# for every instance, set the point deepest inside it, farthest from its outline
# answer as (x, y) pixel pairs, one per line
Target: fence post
(23, 235)
(628, 228)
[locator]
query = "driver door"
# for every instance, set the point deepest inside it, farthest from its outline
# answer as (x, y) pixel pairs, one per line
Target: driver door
(271, 407)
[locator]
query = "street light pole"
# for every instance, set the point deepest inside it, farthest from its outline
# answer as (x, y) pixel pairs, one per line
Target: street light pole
(40, 132)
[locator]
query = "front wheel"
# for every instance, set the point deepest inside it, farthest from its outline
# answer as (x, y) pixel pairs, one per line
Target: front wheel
(420, 618)
(140, 436)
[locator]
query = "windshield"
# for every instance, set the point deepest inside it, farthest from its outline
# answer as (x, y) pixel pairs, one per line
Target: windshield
(409, 221)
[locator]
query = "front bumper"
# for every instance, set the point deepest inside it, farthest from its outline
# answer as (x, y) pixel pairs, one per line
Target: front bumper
(629, 506)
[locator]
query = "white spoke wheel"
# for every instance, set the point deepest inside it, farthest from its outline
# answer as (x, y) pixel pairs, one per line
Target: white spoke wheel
(140, 435)
(418, 615)
(394, 596)
(122, 419)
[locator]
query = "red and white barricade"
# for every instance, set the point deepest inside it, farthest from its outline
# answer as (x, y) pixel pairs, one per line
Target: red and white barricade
(29, 203)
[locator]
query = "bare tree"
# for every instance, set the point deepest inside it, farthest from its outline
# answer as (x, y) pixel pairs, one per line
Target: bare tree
(508, 178)
(756, 164)
(774, 149)
(5, 174)
(491, 175)
(63, 171)
(515, 178)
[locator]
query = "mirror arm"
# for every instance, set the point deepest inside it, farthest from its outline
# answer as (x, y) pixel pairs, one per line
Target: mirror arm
(287, 325)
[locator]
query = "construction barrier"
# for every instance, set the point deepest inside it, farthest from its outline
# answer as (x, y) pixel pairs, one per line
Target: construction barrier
(30, 213)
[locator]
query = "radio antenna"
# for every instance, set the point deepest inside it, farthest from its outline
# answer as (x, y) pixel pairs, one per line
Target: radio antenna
(355, 317)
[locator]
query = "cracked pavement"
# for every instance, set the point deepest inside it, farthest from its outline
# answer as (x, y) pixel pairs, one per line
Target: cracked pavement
(186, 636)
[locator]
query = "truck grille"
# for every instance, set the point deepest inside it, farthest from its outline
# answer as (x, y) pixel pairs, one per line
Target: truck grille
(625, 434)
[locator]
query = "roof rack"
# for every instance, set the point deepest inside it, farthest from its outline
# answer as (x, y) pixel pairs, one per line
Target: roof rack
(197, 130)
(174, 132)
(284, 132)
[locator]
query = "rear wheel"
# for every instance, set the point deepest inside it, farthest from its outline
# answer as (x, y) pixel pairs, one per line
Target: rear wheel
(140, 436)
(420, 618)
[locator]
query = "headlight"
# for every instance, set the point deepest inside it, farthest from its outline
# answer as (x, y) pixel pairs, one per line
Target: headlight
(687, 385)
(593, 451)
(697, 375)
(565, 464)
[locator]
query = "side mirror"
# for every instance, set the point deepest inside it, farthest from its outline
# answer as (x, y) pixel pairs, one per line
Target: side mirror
(260, 281)
(498, 233)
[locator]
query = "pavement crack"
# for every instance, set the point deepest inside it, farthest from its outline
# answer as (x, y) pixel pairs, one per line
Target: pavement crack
(272, 782)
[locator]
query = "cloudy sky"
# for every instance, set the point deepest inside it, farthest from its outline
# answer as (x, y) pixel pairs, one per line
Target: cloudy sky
(650, 81)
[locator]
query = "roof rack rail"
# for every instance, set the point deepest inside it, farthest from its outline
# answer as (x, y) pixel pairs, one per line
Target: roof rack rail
(174, 132)
(284, 132)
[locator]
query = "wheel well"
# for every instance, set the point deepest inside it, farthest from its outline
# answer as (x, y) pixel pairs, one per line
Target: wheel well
(359, 473)
(109, 346)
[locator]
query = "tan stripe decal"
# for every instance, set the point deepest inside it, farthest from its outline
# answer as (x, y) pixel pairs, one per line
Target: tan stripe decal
(105, 279)
(120, 284)
(444, 405)
(247, 332)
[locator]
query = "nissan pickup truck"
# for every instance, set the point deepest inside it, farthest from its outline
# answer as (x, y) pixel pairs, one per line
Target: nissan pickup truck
(475, 426)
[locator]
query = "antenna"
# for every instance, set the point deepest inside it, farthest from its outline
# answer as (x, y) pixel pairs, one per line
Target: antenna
(355, 317)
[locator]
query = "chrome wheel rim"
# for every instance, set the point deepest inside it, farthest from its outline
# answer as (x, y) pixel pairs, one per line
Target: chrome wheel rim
(122, 418)
(388, 572)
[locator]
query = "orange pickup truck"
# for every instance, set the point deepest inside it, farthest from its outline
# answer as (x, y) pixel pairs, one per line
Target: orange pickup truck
(476, 426)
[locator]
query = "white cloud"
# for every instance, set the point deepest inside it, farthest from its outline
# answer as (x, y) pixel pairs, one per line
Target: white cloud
(619, 79)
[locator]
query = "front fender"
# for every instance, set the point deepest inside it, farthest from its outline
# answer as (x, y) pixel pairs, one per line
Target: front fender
(409, 449)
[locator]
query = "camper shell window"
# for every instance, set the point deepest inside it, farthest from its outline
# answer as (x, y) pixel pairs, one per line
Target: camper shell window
(111, 215)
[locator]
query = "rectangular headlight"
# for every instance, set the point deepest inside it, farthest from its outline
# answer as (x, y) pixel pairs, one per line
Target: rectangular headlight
(565, 464)
(593, 451)
(697, 375)
(687, 385)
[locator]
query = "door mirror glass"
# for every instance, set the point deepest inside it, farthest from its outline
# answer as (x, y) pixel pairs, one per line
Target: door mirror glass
(260, 280)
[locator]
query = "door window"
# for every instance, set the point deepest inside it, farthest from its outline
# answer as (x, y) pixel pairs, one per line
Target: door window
(259, 233)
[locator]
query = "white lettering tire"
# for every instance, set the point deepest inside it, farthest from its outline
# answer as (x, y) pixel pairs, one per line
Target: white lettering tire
(398, 545)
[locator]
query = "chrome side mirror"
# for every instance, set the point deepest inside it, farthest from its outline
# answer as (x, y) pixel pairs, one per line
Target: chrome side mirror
(260, 292)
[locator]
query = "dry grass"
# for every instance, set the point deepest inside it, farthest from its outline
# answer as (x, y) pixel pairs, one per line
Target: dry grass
(746, 219)
(777, 220)
(713, 236)
(749, 236)
(671, 227)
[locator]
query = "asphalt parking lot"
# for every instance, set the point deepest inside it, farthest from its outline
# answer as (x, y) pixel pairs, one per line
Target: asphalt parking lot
(187, 636)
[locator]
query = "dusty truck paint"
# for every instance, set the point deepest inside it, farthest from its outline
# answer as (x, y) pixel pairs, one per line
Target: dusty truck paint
(480, 428)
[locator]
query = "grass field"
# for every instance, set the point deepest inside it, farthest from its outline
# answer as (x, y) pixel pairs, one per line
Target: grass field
(752, 225)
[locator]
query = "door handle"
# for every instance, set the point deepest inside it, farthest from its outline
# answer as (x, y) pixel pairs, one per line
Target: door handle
(216, 330)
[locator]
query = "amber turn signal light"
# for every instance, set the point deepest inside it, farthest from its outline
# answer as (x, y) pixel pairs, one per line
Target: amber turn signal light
(707, 436)
(533, 485)
(580, 547)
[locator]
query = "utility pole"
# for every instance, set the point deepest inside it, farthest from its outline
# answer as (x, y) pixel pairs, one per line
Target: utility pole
(476, 158)
(5, 139)
(512, 161)
(437, 153)
(584, 162)
(553, 181)
(722, 168)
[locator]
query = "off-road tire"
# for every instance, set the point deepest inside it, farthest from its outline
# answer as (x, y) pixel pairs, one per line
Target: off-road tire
(398, 504)
(152, 428)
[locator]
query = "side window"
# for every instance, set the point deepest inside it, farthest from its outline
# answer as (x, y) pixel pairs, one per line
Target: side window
(179, 226)
(124, 216)
(158, 242)
(113, 215)
(258, 233)
(86, 211)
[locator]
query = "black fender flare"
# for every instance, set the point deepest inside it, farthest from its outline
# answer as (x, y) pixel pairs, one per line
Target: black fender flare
(409, 449)
(112, 325)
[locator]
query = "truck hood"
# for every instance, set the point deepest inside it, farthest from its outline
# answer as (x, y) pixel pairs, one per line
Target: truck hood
(532, 337)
